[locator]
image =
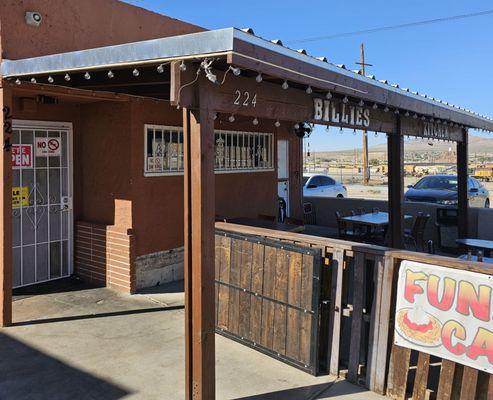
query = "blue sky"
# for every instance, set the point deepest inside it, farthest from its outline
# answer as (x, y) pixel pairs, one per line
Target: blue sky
(450, 60)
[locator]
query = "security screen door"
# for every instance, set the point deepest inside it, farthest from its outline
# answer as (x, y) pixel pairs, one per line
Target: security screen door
(41, 202)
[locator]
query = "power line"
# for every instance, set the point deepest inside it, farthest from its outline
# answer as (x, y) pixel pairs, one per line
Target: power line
(392, 27)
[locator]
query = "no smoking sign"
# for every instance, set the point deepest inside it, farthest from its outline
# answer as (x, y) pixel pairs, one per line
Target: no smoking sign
(48, 147)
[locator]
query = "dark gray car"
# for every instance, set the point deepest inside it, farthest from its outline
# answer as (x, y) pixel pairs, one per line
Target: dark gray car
(442, 189)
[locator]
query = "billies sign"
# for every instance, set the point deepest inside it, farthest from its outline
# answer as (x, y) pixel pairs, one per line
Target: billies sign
(341, 113)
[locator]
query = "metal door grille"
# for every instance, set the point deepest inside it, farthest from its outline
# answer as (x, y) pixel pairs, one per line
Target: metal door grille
(42, 223)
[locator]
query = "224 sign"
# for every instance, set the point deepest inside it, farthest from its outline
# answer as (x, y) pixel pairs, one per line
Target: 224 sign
(245, 99)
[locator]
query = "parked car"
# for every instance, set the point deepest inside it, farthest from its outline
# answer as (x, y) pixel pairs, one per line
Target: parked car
(442, 189)
(323, 186)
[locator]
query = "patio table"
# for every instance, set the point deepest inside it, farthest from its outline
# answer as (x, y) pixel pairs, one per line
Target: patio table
(377, 219)
(260, 223)
(485, 245)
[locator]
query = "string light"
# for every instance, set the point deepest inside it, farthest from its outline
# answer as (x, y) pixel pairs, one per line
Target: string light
(376, 134)
(327, 128)
(375, 106)
(277, 124)
(354, 132)
(160, 68)
(407, 114)
(183, 66)
(285, 85)
(87, 76)
(255, 121)
(50, 79)
(259, 78)
(17, 81)
(111, 75)
(345, 100)
(296, 126)
(309, 90)
(361, 103)
(236, 71)
(415, 116)
(340, 130)
(396, 112)
(386, 109)
(231, 118)
(328, 96)
(33, 80)
(135, 72)
(67, 77)
(214, 117)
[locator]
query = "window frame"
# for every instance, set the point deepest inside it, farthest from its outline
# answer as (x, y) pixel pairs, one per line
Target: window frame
(271, 152)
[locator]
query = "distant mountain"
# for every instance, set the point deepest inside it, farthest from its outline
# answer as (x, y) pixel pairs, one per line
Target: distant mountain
(477, 144)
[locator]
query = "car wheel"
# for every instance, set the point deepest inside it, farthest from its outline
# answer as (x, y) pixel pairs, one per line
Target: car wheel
(340, 196)
(487, 203)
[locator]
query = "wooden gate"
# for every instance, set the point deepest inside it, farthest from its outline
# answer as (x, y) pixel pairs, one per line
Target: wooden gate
(267, 295)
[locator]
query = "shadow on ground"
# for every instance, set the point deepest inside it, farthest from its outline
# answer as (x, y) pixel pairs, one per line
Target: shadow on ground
(26, 373)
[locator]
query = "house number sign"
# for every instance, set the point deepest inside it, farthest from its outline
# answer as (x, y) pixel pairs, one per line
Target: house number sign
(245, 99)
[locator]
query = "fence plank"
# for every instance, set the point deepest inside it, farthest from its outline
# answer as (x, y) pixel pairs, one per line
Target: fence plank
(234, 279)
(469, 383)
(257, 285)
(306, 303)
(280, 294)
(268, 290)
(484, 389)
(398, 370)
(356, 317)
(336, 311)
(421, 379)
(246, 248)
(223, 252)
(383, 325)
(294, 298)
(447, 372)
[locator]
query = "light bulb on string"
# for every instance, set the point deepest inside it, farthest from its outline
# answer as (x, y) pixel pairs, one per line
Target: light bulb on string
(285, 85)
(386, 109)
(361, 103)
(259, 78)
(345, 100)
(396, 112)
(236, 71)
(340, 130)
(231, 118)
(33, 80)
(255, 121)
(296, 126)
(110, 74)
(67, 77)
(354, 132)
(415, 116)
(135, 72)
(50, 79)
(18, 81)
(407, 114)
(309, 90)
(375, 106)
(328, 96)
(87, 76)
(160, 68)
(376, 134)
(214, 117)
(327, 128)
(277, 124)
(183, 66)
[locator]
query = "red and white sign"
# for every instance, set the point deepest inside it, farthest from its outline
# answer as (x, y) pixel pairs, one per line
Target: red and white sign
(446, 312)
(22, 156)
(48, 147)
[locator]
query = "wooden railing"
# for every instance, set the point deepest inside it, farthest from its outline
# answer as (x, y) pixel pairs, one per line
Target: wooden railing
(357, 302)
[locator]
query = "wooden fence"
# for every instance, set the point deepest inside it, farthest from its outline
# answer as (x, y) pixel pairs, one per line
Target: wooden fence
(358, 285)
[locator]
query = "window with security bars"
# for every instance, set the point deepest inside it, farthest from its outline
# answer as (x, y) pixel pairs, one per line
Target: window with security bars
(234, 151)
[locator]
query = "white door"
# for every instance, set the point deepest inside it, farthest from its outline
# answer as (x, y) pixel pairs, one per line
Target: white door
(283, 172)
(42, 217)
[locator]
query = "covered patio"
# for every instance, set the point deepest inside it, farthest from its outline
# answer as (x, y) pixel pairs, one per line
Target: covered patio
(231, 74)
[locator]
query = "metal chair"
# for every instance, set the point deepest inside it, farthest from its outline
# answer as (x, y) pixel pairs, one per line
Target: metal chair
(342, 227)
(309, 216)
(415, 236)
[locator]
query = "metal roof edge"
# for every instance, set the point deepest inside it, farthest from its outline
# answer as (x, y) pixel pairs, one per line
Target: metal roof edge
(208, 42)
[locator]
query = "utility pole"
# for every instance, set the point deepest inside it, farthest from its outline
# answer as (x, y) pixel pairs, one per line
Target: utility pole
(366, 169)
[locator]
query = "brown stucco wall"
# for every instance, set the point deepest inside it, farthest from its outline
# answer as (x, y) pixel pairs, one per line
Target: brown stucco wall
(80, 24)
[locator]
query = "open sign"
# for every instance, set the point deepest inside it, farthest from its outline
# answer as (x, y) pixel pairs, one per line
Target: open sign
(48, 147)
(22, 156)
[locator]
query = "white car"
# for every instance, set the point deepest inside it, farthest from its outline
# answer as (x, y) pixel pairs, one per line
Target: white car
(322, 186)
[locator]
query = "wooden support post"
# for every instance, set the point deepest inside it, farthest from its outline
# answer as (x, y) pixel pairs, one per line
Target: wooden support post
(199, 210)
(6, 210)
(395, 155)
(462, 205)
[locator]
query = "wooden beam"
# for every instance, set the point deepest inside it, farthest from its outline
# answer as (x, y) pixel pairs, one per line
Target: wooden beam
(6, 210)
(395, 155)
(199, 213)
(462, 174)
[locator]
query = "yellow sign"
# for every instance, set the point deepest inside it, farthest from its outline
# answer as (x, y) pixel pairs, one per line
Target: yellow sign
(20, 196)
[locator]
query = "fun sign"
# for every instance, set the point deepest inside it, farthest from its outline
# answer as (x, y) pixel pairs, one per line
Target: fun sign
(445, 312)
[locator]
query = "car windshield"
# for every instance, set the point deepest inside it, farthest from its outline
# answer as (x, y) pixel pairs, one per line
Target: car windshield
(437, 183)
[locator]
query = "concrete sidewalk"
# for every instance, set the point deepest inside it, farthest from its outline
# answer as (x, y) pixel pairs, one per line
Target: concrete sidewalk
(97, 344)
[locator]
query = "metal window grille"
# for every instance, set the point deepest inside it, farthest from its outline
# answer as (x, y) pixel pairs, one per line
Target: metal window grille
(235, 151)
